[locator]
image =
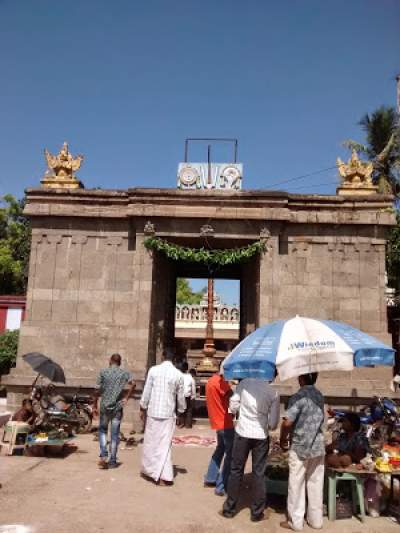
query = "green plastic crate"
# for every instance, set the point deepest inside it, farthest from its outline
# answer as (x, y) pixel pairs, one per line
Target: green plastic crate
(277, 486)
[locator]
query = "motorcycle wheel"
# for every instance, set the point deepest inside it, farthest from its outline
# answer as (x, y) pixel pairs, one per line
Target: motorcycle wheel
(85, 421)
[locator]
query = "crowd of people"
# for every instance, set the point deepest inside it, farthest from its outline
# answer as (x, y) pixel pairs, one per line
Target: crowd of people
(242, 417)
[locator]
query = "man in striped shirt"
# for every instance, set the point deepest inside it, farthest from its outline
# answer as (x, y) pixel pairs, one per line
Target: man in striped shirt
(258, 406)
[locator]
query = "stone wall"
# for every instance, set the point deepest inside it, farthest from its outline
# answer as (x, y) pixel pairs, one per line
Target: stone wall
(340, 280)
(88, 296)
(337, 274)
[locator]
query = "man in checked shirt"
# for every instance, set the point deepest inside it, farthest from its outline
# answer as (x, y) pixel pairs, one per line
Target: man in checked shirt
(258, 406)
(162, 393)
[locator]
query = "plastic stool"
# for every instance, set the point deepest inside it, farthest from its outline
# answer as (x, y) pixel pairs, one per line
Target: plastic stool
(357, 492)
(12, 431)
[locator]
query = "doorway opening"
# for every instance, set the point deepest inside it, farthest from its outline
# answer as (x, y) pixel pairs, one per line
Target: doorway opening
(179, 309)
(191, 313)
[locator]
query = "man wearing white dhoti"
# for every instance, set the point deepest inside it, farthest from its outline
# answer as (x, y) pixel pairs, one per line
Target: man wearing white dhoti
(162, 393)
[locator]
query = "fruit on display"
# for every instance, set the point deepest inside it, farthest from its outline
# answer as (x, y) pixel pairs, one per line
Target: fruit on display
(382, 465)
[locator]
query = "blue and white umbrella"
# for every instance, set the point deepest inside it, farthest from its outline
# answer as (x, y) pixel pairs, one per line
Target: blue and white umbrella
(303, 345)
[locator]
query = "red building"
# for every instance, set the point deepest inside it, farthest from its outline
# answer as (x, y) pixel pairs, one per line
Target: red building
(12, 312)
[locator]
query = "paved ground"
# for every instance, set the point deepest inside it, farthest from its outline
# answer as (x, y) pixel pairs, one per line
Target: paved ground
(70, 495)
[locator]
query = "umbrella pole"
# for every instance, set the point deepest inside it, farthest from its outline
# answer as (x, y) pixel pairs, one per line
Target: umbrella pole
(34, 384)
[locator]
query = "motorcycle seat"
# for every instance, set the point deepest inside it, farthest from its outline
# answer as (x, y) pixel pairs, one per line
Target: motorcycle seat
(69, 397)
(56, 412)
(84, 398)
(80, 398)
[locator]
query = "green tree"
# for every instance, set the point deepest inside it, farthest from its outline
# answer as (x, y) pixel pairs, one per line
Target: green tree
(382, 129)
(185, 294)
(8, 350)
(393, 255)
(15, 241)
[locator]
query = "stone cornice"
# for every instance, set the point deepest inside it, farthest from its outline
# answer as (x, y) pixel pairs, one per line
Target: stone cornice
(224, 205)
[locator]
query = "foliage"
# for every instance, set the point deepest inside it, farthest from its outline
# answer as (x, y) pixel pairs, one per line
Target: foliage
(383, 147)
(218, 257)
(185, 294)
(8, 350)
(393, 255)
(15, 239)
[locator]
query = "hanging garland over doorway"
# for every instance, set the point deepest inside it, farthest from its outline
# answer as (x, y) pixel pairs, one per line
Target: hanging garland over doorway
(220, 257)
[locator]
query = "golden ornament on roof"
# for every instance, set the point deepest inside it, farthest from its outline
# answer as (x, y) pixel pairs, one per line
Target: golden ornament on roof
(61, 169)
(356, 176)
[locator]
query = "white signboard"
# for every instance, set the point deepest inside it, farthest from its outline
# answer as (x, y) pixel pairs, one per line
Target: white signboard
(13, 320)
(226, 176)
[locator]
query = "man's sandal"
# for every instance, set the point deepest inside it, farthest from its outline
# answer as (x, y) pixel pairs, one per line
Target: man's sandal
(103, 464)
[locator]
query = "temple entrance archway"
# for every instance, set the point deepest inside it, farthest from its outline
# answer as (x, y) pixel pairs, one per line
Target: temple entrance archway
(95, 288)
(163, 306)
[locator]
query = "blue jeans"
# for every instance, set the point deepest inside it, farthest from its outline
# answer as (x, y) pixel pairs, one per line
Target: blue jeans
(105, 420)
(224, 448)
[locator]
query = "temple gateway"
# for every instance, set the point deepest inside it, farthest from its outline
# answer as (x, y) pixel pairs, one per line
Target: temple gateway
(95, 288)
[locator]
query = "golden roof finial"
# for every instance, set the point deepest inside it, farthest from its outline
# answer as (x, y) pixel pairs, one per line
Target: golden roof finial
(61, 169)
(356, 176)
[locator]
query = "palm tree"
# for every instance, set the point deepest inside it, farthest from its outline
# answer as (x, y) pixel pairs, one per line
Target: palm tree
(382, 128)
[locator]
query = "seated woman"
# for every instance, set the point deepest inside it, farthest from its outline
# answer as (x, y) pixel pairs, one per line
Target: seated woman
(25, 413)
(351, 446)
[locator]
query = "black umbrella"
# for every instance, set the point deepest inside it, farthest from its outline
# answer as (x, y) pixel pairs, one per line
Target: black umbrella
(45, 366)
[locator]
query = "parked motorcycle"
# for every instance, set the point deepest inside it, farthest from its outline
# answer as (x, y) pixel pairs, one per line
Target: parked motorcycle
(71, 413)
(80, 406)
(50, 418)
(379, 420)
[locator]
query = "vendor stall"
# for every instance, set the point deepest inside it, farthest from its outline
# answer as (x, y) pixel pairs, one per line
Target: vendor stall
(348, 490)
(20, 436)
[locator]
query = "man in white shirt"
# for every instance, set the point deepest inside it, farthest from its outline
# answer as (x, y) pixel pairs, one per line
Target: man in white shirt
(258, 406)
(162, 394)
(189, 386)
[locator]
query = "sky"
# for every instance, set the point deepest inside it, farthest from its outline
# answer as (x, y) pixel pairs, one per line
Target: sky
(125, 82)
(227, 289)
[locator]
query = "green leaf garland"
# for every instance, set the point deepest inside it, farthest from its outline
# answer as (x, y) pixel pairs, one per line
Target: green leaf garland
(220, 257)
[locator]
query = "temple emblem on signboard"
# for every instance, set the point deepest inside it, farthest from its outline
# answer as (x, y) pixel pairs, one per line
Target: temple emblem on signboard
(210, 176)
(61, 169)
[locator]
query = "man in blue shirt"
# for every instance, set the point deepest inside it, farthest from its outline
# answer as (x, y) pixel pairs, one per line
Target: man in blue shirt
(304, 422)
